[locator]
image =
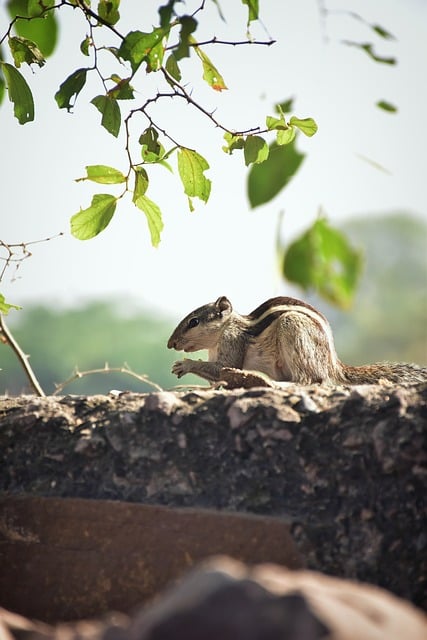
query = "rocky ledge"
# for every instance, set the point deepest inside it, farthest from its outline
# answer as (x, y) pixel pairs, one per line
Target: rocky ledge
(342, 466)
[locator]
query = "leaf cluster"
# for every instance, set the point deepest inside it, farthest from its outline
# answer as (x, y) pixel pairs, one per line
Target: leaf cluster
(370, 49)
(139, 51)
(269, 150)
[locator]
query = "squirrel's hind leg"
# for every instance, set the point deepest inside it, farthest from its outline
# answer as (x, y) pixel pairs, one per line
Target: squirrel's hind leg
(304, 350)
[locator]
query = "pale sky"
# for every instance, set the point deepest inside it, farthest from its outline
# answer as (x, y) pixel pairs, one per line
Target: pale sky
(223, 248)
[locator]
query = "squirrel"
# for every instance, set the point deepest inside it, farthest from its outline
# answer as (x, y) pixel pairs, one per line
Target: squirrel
(284, 338)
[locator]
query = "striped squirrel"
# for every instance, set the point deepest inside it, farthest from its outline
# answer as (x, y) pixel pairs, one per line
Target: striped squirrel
(285, 338)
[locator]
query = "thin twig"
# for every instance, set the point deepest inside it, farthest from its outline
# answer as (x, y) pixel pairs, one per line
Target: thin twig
(106, 369)
(23, 359)
(28, 18)
(13, 257)
(181, 92)
(88, 12)
(215, 40)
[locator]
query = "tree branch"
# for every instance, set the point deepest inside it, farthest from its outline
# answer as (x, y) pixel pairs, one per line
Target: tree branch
(181, 92)
(106, 369)
(215, 40)
(22, 357)
(12, 256)
(88, 12)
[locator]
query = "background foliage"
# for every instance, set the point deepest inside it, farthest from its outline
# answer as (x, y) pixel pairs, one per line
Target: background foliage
(60, 340)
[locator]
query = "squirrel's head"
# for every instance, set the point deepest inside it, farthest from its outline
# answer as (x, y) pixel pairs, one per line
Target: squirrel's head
(201, 328)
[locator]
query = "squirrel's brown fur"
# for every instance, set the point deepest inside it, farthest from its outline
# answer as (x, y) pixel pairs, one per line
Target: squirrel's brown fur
(284, 338)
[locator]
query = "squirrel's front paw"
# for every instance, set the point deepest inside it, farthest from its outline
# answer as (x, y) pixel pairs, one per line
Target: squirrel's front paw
(181, 367)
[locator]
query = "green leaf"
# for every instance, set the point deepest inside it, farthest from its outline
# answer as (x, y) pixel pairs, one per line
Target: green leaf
(382, 59)
(165, 13)
(2, 87)
(5, 307)
(108, 10)
(69, 88)
(323, 259)
(25, 51)
(44, 30)
(285, 132)
(285, 136)
(191, 167)
(220, 13)
(172, 68)
(37, 8)
(141, 183)
(276, 123)
(84, 46)
(387, 106)
(380, 31)
(188, 26)
(111, 116)
(154, 218)
(253, 9)
(383, 33)
(369, 49)
(19, 93)
(233, 142)
(165, 164)
(103, 174)
(374, 164)
(155, 57)
(139, 46)
(122, 90)
(210, 72)
(190, 205)
(2, 82)
(285, 107)
(266, 180)
(256, 150)
(115, 52)
(87, 223)
(151, 149)
(306, 125)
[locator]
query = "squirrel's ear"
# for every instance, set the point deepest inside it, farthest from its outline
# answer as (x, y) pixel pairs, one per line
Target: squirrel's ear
(224, 305)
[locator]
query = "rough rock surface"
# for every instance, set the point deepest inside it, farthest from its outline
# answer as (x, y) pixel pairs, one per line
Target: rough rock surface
(226, 600)
(343, 465)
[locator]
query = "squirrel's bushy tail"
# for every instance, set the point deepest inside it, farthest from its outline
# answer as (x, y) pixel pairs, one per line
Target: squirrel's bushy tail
(397, 373)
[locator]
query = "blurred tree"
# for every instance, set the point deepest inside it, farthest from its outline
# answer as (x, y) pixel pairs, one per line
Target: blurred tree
(87, 338)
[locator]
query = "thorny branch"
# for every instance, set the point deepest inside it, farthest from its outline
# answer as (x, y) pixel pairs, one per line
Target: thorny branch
(27, 18)
(22, 357)
(7, 337)
(16, 253)
(181, 92)
(215, 40)
(91, 14)
(106, 369)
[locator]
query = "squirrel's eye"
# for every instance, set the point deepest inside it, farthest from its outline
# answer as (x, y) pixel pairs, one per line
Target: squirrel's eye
(193, 323)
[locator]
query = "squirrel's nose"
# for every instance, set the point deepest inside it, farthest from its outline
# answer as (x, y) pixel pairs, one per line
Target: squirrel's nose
(171, 343)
